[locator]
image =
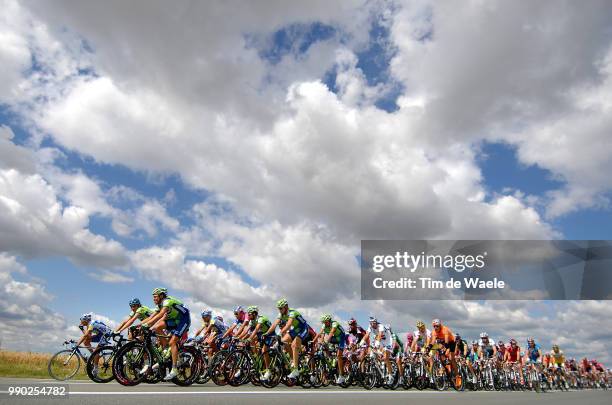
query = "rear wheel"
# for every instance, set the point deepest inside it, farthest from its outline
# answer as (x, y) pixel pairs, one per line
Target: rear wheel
(189, 365)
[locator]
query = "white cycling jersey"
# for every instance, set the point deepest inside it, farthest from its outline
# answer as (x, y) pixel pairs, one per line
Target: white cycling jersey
(421, 338)
(385, 340)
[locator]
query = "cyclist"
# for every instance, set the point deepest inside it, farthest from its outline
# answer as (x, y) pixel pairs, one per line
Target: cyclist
(512, 356)
(96, 332)
(240, 323)
(558, 357)
(557, 362)
(173, 316)
(409, 341)
(354, 333)
(443, 336)
(421, 337)
(471, 358)
(533, 354)
(139, 312)
(259, 326)
(333, 332)
(398, 350)
(461, 346)
(93, 332)
(487, 349)
(212, 330)
(379, 337)
(294, 332)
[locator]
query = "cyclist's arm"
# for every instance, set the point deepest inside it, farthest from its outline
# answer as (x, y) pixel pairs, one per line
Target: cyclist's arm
(254, 334)
(121, 324)
(126, 324)
(199, 331)
(156, 317)
(272, 327)
(229, 331)
(331, 333)
(287, 326)
(86, 333)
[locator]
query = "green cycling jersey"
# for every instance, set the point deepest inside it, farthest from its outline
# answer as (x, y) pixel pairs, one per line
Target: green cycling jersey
(172, 305)
(142, 312)
(396, 339)
(264, 323)
(337, 333)
(298, 320)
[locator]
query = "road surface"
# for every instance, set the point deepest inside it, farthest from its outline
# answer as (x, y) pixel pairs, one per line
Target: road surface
(89, 393)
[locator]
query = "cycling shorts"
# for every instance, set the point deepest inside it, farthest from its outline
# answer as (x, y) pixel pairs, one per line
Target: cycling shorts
(265, 340)
(100, 339)
(301, 333)
(339, 340)
(178, 327)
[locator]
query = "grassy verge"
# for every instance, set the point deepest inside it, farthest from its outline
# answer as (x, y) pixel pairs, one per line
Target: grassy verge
(29, 365)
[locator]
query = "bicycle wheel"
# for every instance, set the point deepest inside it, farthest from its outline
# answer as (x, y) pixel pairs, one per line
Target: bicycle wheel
(439, 376)
(276, 372)
(103, 365)
(204, 369)
(217, 366)
(188, 366)
(236, 366)
(129, 361)
(64, 365)
(316, 367)
(369, 374)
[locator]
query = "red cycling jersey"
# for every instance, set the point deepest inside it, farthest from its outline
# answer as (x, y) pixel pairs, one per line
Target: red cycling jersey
(513, 353)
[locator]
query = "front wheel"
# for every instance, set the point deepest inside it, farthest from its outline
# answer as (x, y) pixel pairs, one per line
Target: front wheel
(99, 366)
(64, 365)
(129, 361)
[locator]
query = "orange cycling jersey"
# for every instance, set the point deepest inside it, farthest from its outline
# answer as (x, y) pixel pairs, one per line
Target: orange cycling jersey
(442, 334)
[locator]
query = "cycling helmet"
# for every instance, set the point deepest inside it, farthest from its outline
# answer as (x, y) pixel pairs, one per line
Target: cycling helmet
(352, 322)
(500, 343)
(512, 341)
(436, 322)
(555, 347)
(484, 335)
(160, 290)
(420, 324)
(457, 336)
(206, 312)
(252, 309)
(474, 342)
(373, 319)
(409, 336)
(238, 309)
(134, 301)
(281, 303)
(219, 318)
(86, 317)
(530, 340)
(326, 318)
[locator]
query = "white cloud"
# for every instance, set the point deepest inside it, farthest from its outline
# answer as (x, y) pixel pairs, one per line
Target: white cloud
(24, 312)
(34, 223)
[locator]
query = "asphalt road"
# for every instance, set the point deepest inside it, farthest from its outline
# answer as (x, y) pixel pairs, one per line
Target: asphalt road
(90, 393)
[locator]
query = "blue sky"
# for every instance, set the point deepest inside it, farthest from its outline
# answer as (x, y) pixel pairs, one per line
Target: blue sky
(249, 165)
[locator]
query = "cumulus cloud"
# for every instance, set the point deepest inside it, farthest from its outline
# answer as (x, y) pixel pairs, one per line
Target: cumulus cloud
(24, 311)
(34, 223)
